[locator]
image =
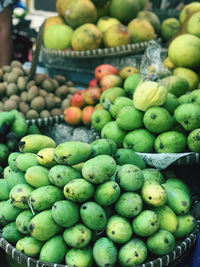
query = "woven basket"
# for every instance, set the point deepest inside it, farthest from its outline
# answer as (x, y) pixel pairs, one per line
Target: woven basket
(171, 259)
(45, 121)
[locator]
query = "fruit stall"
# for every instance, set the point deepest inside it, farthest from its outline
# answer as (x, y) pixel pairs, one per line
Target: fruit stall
(100, 138)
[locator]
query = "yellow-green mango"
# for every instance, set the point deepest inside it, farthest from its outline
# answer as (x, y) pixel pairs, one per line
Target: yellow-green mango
(77, 236)
(53, 250)
(35, 142)
(14, 178)
(11, 233)
(99, 169)
(20, 194)
(70, 153)
(38, 226)
(29, 246)
(60, 175)
(45, 157)
(43, 197)
(186, 224)
(8, 212)
(25, 161)
(4, 190)
(78, 190)
(23, 220)
(37, 176)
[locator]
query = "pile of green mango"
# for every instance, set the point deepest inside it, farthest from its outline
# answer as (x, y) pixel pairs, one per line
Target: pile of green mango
(13, 126)
(90, 204)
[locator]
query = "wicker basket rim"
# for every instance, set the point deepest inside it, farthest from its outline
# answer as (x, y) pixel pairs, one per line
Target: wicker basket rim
(100, 52)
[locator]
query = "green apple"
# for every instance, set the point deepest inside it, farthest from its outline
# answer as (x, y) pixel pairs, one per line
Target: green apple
(119, 103)
(112, 131)
(129, 118)
(58, 36)
(100, 118)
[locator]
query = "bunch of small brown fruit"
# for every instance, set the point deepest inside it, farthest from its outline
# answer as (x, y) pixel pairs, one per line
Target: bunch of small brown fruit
(41, 97)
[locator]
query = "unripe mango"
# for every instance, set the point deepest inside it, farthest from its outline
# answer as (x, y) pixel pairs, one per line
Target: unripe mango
(29, 246)
(11, 233)
(60, 175)
(35, 142)
(19, 195)
(43, 197)
(78, 190)
(65, 213)
(8, 212)
(37, 176)
(23, 220)
(93, 216)
(71, 153)
(4, 190)
(12, 160)
(45, 157)
(38, 226)
(77, 236)
(14, 178)
(99, 169)
(53, 250)
(26, 160)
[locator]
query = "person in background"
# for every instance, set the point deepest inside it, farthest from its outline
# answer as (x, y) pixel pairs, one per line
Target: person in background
(6, 11)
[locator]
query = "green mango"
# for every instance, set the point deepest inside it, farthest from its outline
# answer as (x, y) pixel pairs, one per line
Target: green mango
(37, 176)
(105, 252)
(43, 197)
(45, 157)
(65, 213)
(93, 216)
(23, 220)
(146, 223)
(99, 169)
(78, 190)
(161, 243)
(19, 126)
(128, 156)
(33, 143)
(154, 194)
(130, 177)
(60, 175)
(12, 160)
(14, 178)
(77, 236)
(119, 229)
(107, 193)
(8, 212)
(129, 205)
(178, 183)
(133, 253)
(6, 171)
(29, 246)
(79, 257)
(177, 199)
(20, 194)
(102, 147)
(53, 250)
(119, 103)
(74, 152)
(11, 233)
(4, 190)
(38, 226)
(25, 161)
(186, 224)
(167, 218)
(151, 174)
